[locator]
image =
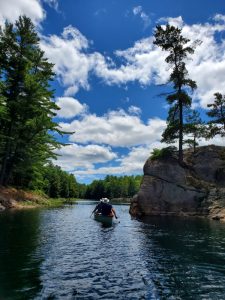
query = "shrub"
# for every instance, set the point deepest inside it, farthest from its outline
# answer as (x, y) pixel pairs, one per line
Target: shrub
(163, 153)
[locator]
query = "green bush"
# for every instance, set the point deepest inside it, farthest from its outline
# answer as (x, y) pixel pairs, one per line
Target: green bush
(163, 153)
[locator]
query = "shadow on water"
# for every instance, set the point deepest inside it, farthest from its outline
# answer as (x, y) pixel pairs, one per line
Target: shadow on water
(185, 257)
(19, 266)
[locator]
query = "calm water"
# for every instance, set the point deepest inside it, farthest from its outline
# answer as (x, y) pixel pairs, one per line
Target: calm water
(64, 254)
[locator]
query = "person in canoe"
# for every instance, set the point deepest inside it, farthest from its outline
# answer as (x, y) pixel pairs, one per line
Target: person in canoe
(98, 207)
(105, 208)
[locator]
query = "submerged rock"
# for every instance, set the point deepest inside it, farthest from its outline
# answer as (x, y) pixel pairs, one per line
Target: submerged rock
(195, 188)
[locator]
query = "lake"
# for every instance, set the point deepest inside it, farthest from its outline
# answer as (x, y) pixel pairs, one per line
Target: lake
(64, 254)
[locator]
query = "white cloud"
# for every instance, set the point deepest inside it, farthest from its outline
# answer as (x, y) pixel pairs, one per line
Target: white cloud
(219, 17)
(71, 90)
(70, 107)
(83, 157)
(207, 66)
(81, 160)
(138, 11)
(134, 110)
(11, 10)
(146, 64)
(143, 63)
(176, 22)
(127, 165)
(116, 128)
(217, 140)
(72, 62)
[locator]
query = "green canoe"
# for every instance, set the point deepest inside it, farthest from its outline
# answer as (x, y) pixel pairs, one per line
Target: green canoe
(103, 219)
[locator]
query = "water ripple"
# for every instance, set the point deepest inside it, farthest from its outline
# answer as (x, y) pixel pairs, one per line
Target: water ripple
(65, 254)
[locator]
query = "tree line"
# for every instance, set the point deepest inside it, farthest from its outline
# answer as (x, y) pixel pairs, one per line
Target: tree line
(57, 183)
(113, 187)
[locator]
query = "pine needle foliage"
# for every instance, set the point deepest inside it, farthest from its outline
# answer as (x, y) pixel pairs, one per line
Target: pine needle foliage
(27, 129)
(170, 39)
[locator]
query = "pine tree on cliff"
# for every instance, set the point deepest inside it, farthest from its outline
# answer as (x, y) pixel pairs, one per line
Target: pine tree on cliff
(170, 39)
(217, 113)
(26, 108)
(194, 128)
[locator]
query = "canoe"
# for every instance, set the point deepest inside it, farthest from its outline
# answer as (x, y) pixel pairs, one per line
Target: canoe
(103, 219)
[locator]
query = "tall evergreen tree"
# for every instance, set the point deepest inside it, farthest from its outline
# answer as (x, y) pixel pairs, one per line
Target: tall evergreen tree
(170, 39)
(194, 128)
(217, 113)
(26, 108)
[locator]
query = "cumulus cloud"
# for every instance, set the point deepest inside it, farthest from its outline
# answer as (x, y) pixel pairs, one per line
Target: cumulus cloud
(116, 128)
(143, 62)
(133, 162)
(130, 164)
(72, 62)
(138, 11)
(70, 107)
(10, 10)
(76, 156)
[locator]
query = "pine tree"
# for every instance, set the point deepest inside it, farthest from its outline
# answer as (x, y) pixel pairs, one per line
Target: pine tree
(170, 39)
(26, 108)
(217, 113)
(194, 127)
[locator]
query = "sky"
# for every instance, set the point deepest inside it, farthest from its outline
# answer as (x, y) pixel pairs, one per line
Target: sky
(110, 78)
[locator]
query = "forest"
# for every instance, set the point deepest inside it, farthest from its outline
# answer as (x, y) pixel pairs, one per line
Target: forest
(57, 183)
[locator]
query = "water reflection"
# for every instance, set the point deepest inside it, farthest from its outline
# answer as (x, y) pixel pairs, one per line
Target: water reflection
(185, 257)
(65, 254)
(19, 263)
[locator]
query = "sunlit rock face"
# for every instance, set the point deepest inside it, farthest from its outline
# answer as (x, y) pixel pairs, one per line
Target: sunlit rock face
(195, 188)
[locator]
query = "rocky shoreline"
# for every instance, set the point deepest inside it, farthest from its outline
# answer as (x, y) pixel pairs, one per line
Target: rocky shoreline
(196, 188)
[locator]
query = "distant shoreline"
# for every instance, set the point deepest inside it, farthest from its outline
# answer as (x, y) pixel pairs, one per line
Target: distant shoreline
(13, 198)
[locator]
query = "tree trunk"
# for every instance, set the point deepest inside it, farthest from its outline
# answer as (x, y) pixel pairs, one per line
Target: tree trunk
(194, 143)
(180, 131)
(6, 156)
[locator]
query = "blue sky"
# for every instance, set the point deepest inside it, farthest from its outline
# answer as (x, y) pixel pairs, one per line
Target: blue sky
(109, 75)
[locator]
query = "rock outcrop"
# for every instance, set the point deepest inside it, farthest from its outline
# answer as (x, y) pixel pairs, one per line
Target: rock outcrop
(196, 188)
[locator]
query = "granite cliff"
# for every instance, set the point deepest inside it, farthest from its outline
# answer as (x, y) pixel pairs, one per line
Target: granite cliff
(196, 188)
